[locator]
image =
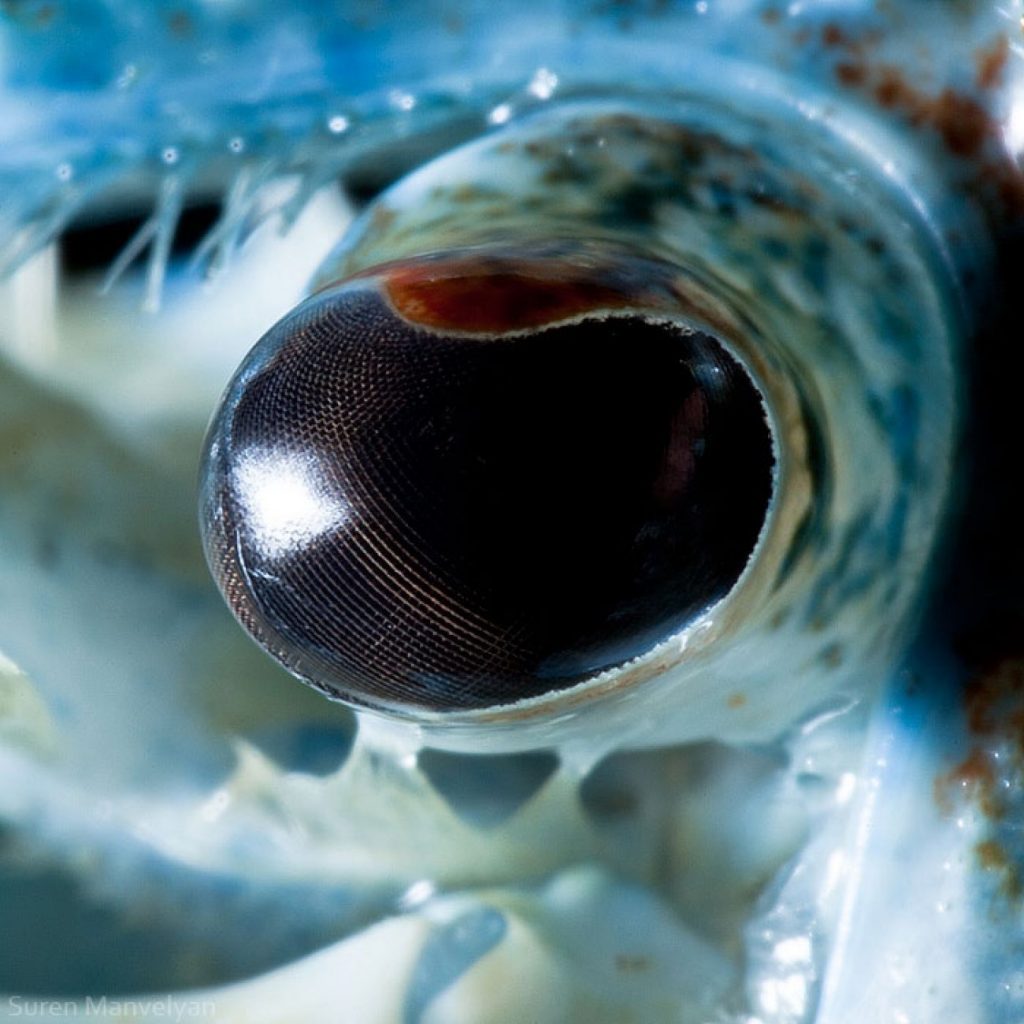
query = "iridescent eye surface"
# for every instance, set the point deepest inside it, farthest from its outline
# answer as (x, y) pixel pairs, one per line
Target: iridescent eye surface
(448, 485)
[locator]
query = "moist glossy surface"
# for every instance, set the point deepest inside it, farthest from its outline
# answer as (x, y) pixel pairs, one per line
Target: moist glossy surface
(453, 521)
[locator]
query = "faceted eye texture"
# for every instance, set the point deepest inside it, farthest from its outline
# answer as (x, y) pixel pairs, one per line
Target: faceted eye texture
(410, 518)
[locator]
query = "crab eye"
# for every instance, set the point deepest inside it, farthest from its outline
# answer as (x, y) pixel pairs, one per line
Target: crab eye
(461, 483)
(606, 424)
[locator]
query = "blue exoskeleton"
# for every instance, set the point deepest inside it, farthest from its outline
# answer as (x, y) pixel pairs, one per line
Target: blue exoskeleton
(803, 804)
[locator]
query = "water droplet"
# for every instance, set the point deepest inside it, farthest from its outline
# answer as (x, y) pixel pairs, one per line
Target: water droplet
(170, 155)
(416, 895)
(500, 114)
(237, 144)
(127, 76)
(402, 100)
(337, 124)
(543, 84)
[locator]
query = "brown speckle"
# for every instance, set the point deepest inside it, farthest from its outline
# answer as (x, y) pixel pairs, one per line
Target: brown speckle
(631, 964)
(180, 24)
(975, 778)
(737, 700)
(994, 711)
(962, 122)
(832, 656)
(992, 857)
(851, 74)
(453, 23)
(994, 699)
(833, 35)
(891, 90)
(991, 62)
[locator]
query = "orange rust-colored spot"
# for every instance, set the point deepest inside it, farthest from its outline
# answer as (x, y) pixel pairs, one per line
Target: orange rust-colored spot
(736, 700)
(974, 778)
(891, 90)
(962, 122)
(994, 707)
(470, 297)
(991, 62)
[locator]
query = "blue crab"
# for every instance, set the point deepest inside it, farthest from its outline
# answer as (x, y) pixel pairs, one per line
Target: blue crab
(802, 805)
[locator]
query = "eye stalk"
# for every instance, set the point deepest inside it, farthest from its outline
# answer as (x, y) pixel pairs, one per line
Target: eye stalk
(459, 483)
(620, 426)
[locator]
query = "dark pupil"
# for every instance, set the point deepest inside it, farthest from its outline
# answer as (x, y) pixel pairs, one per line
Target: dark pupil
(519, 513)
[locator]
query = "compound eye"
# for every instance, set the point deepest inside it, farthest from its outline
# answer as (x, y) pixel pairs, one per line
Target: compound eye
(450, 485)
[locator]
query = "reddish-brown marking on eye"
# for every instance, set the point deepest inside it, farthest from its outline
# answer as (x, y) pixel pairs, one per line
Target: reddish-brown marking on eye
(991, 62)
(471, 297)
